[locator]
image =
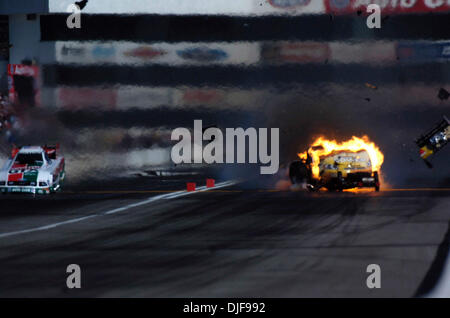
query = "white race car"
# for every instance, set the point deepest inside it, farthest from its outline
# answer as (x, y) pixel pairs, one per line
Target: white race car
(33, 169)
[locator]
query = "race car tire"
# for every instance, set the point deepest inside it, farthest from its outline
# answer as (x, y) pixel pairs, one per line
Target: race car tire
(298, 172)
(339, 182)
(377, 181)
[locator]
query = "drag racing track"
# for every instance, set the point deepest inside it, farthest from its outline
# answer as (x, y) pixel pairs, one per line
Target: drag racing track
(143, 239)
(113, 92)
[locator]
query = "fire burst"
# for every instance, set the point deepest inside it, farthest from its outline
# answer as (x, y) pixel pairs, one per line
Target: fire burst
(322, 147)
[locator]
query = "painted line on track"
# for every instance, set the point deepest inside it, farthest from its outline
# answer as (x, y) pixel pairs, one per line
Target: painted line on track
(442, 288)
(438, 275)
(172, 195)
(251, 190)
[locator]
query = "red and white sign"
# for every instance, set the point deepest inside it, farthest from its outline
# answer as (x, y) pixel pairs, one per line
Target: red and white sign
(24, 70)
(387, 6)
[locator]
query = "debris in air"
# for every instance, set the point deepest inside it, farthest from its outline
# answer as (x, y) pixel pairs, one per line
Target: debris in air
(368, 85)
(434, 140)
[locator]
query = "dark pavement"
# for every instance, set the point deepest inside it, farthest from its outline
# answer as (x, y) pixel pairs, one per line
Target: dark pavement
(229, 242)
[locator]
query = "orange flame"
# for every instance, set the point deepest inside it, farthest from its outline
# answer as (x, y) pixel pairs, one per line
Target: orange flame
(353, 145)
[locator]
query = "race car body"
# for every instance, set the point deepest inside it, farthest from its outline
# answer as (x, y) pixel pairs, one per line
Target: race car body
(343, 170)
(435, 139)
(337, 171)
(33, 169)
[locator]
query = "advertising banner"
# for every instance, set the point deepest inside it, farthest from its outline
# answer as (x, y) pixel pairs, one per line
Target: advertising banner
(85, 98)
(423, 51)
(375, 53)
(387, 6)
(295, 52)
(196, 7)
(133, 53)
(288, 7)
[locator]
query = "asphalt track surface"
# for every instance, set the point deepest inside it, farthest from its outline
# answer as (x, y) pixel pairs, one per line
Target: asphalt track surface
(232, 241)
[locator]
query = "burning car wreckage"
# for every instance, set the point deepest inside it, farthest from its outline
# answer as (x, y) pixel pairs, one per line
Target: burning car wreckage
(355, 163)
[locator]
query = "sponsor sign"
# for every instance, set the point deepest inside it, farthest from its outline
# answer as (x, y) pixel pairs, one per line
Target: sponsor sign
(387, 6)
(289, 7)
(133, 53)
(203, 54)
(143, 97)
(73, 51)
(27, 71)
(288, 4)
(77, 98)
(194, 7)
(145, 53)
(295, 52)
(148, 97)
(423, 52)
(374, 52)
(86, 53)
(103, 52)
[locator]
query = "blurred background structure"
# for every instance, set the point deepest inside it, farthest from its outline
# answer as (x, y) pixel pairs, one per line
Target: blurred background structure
(139, 69)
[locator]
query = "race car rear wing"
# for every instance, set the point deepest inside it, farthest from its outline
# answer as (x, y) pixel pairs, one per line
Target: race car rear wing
(51, 150)
(434, 140)
(424, 140)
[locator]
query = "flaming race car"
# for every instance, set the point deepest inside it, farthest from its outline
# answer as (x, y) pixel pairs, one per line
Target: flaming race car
(327, 164)
(434, 140)
(33, 169)
(338, 171)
